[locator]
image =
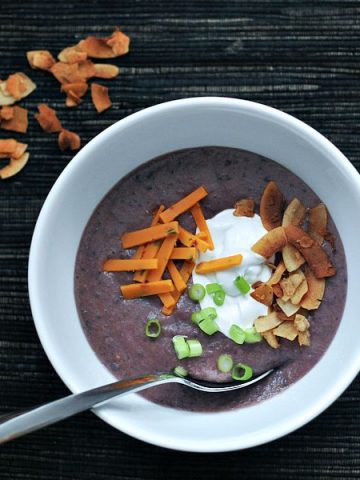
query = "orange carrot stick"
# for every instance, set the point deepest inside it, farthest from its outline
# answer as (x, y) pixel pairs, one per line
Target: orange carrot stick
(190, 240)
(142, 248)
(167, 299)
(218, 264)
(136, 290)
(148, 250)
(183, 205)
(185, 272)
(163, 256)
(183, 253)
(122, 265)
(139, 237)
(176, 277)
(200, 221)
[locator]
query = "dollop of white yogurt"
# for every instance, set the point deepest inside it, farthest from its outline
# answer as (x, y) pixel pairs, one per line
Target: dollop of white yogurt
(233, 235)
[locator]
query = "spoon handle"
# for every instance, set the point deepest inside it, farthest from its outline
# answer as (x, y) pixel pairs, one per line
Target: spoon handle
(20, 423)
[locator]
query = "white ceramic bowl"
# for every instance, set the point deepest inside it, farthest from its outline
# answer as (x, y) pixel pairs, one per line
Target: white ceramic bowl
(91, 174)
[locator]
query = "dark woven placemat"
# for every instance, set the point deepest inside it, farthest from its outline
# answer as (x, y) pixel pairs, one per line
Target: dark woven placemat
(299, 56)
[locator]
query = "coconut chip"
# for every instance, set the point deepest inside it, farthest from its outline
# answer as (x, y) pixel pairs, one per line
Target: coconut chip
(271, 242)
(286, 330)
(244, 208)
(315, 256)
(292, 258)
(316, 289)
(6, 113)
(271, 339)
(68, 140)
(105, 70)
(271, 206)
(14, 88)
(100, 97)
(301, 323)
(294, 213)
(267, 322)
(263, 294)
(318, 219)
(304, 338)
(109, 47)
(40, 59)
(287, 307)
(18, 121)
(48, 119)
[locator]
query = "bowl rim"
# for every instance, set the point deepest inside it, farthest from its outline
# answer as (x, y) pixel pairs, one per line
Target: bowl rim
(274, 115)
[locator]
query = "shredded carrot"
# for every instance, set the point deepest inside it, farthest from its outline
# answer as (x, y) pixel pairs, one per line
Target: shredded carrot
(183, 205)
(163, 256)
(200, 221)
(185, 272)
(218, 264)
(183, 253)
(136, 290)
(139, 237)
(142, 250)
(167, 299)
(177, 279)
(120, 265)
(190, 240)
(150, 251)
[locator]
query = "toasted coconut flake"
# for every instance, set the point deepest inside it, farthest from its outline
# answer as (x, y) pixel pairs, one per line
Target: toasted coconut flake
(277, 290)
(290, 284)
(40, 59)
(96, 48)
(78, 88)
(300, 292)
(304, 338)
(271, 339)
(286, 330)
(278, 273)
(244, 208)
(14, 166)
(268, 322)
(48, 119)
(66, 72)
(72, 100)
(271, 206)
(87, 70)
(263, 294)
(292, 258)
(18, 122)
(287, 307)
(294, 213)
(100, 97)
(19, 150)
(6, 113)
(8, 147)
(315, 293)
(119, 42)
(69, 140)
(72, 55)
(16, 87)
(314, 255)
(107, 71)
(271, 242)
(318, 219)
(301, 323)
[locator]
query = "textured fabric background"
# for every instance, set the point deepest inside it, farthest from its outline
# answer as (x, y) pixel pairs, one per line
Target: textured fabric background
(299, 56)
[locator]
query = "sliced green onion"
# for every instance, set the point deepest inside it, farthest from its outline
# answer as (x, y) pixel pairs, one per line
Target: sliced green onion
(208, 326)
(241, 372)
(242, 285)
(196, 292)
(152, 328)
(181, 347)
(252, 336)
(219, 298)
(180, 371)
(225, 363)
(209, 312)
(195, 348)
(213, 288)
(237, 334)
(196, 317)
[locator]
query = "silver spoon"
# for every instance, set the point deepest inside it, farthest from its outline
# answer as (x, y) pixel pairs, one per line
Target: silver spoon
(21, 423)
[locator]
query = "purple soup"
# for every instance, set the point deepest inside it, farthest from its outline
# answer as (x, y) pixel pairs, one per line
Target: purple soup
(114, 326)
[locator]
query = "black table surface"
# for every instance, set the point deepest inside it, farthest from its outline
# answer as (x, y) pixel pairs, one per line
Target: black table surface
(299, 56)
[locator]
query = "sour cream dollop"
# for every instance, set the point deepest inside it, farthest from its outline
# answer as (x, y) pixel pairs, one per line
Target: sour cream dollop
(233, 235)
